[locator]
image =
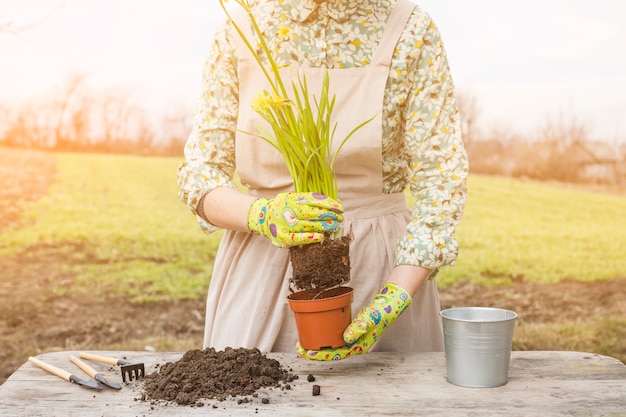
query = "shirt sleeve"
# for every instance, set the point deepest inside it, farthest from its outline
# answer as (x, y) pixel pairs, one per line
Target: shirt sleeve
(439, 163)
(210, 148)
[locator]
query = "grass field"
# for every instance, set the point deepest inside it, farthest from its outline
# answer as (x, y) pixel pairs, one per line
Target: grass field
(134, 236)
(120, 227)
(97, 252)
(539, 232)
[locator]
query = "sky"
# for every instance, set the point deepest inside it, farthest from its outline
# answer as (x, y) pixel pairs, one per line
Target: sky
(525, 63)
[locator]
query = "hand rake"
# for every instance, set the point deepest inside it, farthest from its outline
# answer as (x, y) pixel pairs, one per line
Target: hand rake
(129, 370)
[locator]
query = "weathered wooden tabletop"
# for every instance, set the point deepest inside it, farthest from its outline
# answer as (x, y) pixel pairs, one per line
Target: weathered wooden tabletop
(376, 384)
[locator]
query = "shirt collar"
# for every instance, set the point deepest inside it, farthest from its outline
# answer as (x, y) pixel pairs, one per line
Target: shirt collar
(338, 10)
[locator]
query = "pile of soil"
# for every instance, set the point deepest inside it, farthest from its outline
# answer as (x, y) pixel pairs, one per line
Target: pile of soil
(319, 267)
(219, 375)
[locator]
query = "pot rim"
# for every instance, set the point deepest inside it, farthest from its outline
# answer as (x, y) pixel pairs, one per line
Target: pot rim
(341, 291)
(508, 314)
(343, 299)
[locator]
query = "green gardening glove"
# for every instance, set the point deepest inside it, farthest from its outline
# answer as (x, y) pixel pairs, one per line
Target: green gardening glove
(367, 326)
(293, 219)
(330, 354)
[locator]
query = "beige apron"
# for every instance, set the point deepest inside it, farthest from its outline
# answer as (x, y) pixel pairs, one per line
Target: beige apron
(246, 303)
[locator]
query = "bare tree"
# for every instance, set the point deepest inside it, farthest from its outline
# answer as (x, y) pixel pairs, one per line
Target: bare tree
(80, 123)
(23, 128)
(7, 26)
(554, 140)
(563, 131)
(469, 111)
(175, 128)
(124, 123)
(68, 102)
(4, 120)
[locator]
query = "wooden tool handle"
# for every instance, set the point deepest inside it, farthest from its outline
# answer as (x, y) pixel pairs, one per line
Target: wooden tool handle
(98, 358)
(83, 365)
(51, 368)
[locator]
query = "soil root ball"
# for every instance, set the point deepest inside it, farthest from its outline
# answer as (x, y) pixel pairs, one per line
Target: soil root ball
(320, 266)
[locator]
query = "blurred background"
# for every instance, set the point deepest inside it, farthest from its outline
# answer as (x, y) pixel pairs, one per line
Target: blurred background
(539, 83)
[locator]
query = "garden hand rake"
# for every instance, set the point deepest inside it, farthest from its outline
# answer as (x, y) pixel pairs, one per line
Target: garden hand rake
(129, 370)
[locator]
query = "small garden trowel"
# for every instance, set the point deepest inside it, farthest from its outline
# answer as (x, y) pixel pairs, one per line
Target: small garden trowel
(92, 373)
(64, 374)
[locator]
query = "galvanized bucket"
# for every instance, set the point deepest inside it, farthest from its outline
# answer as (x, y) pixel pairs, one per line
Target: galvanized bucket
(477, 343)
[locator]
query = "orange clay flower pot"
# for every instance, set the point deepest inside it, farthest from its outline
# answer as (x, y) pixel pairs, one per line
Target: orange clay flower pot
(321, 322)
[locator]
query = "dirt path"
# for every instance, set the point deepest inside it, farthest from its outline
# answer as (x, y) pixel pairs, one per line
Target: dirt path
(33, 319)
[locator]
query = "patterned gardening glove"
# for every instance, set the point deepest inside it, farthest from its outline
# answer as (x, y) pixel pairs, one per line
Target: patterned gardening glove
(293, 219)
(367, 326)
(330, 354)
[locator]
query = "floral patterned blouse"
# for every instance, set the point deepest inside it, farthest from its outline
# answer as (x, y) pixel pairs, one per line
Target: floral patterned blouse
(421, 145)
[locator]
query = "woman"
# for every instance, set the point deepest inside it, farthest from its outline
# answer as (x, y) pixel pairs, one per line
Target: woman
(384, 58)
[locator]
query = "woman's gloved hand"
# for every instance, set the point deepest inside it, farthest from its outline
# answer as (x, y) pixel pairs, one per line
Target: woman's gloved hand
(292, 219)
(329, 354)
(367, 326)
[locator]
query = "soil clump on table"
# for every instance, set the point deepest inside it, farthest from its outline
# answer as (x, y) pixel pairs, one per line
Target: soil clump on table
(219, 375)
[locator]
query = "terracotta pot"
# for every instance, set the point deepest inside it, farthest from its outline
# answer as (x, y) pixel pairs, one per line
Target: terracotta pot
(321, 322)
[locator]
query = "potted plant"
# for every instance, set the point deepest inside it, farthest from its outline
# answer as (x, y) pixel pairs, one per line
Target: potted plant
(302, 132)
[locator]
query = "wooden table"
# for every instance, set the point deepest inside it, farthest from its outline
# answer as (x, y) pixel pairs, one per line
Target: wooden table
(376, 384)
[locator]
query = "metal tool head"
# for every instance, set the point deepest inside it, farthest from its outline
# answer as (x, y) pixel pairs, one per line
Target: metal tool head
(102, 380)
(90, 383)
(131, 370)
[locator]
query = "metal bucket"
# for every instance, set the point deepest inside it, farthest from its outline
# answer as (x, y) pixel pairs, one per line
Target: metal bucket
(477, 343)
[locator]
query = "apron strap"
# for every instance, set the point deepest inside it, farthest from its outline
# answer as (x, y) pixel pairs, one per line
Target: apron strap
(241, 19)
(394, 27)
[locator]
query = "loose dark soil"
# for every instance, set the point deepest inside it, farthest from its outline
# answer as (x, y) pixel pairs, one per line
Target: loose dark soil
(220, 375)
(319, 267)
(35, 319)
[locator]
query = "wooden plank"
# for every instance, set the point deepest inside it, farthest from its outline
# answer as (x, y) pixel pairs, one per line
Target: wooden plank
(381, 384)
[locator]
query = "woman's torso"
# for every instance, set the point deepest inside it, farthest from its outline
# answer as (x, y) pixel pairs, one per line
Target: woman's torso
(336, 37)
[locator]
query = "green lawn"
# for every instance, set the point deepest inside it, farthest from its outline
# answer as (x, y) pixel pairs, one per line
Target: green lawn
(543, 233)
(118, 223)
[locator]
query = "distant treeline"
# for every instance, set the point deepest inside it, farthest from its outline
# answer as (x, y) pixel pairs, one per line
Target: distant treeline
(78, 119)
